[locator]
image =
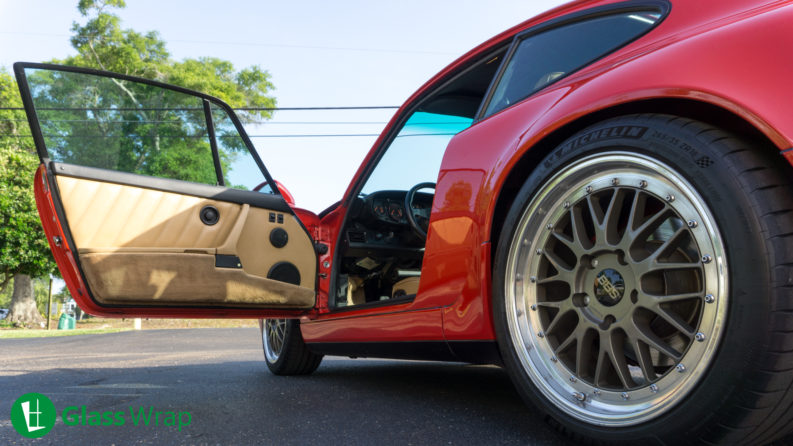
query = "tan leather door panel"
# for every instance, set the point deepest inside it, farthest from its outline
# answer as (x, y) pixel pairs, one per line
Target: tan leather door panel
(149, 247)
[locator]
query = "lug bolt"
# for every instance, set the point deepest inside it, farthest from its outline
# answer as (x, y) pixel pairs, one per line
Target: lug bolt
(534, 307)
(700, 336)
(579, 396)
(653, 388)
(670, 198)
(594, 263)
(615, 181)
(625, 396)
(642, 184)
(588, 189)
(709, 298)
(692, 224)
(680, 368)
(707, 258)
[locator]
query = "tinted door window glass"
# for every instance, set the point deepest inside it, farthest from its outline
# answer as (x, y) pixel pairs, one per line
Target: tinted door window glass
(117, 124)
(542, 58)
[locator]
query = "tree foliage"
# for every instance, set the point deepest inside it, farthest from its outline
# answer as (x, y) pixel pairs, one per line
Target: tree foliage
(23, 246)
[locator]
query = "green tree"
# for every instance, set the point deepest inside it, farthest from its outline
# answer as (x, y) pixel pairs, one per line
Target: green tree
(23, 246)
(109, 123)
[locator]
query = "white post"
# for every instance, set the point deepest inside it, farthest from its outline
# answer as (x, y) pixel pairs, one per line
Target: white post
(137, 323)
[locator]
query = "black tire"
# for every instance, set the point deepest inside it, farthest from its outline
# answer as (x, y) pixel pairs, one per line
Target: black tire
(292, 356)
(744, 394)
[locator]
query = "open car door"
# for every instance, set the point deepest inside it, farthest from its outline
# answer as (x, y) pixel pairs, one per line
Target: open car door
(155, 202)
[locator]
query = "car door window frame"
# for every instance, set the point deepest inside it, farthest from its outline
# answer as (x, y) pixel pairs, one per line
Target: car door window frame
(499, 49)
(207, 101)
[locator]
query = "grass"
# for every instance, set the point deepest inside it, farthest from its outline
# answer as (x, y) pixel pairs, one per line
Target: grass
(17, 334)
(99, 325)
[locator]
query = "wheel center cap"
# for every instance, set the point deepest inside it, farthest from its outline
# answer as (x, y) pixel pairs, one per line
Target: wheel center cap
(609, 287)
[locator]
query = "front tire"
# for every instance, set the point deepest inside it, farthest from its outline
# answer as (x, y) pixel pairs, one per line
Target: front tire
(639, 286)
(285, 352)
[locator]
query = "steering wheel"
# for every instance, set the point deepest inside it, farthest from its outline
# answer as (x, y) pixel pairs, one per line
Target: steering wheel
(411, 216)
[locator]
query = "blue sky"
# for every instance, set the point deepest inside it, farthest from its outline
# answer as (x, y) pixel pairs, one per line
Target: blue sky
(340, 53)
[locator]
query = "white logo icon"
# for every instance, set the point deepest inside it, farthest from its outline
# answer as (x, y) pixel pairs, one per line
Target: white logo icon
(29, 416)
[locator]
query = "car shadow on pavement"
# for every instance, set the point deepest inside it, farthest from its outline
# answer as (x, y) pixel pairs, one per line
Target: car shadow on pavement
(239, 402)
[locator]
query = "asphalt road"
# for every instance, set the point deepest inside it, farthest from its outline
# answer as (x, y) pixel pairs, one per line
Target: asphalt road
(219, 376)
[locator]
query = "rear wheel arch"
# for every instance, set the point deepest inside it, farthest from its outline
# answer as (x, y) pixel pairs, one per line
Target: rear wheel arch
(684, 108)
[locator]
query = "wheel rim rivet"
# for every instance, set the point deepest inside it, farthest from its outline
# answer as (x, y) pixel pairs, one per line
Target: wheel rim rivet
(534, 307)
(540, 334)
(525, 242)
(538, 252)
(615, 181)
(642, 184)
(533, 279)
(670, 198)
(550, 226)
(325, 264)
(588, 189)
(625, 396)
(566, 205)
(596, 391)
(700, 337)
(572, 379)
(707, 258)
(653, 388)
(680, 368)
(553, 359)
(579, 396)
(709, 298)
(692, 224)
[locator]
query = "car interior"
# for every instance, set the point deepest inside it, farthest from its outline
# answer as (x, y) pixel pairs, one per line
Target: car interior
(381, 247)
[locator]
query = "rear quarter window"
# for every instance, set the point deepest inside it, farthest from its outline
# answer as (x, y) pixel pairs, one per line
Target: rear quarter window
(540, 59)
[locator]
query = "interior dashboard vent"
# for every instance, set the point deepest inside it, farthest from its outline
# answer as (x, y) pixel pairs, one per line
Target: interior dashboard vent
(356, 236)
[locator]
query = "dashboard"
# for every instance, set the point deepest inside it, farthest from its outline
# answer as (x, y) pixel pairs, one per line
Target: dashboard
(389, 206)
(380, 223)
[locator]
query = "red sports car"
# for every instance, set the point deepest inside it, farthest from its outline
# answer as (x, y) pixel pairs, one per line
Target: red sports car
(612, 218)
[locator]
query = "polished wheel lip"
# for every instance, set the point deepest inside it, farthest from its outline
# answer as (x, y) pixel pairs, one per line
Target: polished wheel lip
(273, 337)
(564, 389)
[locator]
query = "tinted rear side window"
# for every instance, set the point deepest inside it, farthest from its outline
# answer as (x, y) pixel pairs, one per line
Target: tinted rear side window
(540, 59)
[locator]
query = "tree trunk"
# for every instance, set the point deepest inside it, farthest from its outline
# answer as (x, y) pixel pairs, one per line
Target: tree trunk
(23, 303)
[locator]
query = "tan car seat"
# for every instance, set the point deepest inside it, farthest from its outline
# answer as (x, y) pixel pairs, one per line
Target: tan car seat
(406, 287)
